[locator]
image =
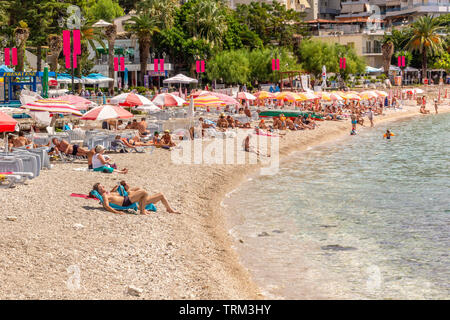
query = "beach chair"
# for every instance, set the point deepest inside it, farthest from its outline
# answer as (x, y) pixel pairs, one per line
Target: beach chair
(76, 137)
(8, 179)
(134, 206)
(15, 167)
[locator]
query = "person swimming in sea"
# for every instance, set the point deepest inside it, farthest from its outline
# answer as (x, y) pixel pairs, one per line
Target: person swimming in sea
(388, 135)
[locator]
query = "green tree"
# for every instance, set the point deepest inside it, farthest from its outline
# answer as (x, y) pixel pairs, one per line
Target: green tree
(207, 21)
(106, 10)
(229, 67)
(315, 54)
(272, 22)
(426, 39)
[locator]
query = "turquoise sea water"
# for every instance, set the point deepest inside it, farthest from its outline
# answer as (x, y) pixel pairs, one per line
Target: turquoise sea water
(359, 218)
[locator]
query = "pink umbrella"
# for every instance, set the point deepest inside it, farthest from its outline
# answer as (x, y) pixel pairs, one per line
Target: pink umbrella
(79, 102)
(245, 96)
(130, 99)
(106, 112)
(225, 98)
(168, 100)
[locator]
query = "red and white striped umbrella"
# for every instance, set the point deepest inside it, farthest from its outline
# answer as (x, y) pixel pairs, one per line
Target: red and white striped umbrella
(106, 112)
(168, 100)
(225, 98)
(7, 123)
(52, 106)
(79, 102)
(130, 99)
(245, 96)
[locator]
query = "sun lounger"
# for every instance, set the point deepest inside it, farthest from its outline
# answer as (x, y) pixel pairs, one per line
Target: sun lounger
(15, 166)
(8, 179)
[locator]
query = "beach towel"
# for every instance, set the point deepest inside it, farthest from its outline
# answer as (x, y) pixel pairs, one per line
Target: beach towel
(149, 207)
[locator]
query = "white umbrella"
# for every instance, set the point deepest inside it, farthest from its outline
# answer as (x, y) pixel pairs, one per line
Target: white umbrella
(180, 78)
(101, 23)
(131, 99)
(245, 96)
(106, 112)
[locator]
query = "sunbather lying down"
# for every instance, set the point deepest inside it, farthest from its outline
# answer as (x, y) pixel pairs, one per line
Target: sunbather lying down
(135, 195)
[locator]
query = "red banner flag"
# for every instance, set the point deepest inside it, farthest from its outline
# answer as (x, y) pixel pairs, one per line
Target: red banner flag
(273, 65)
(116, 64)
(344, 63)
(68, 64)
(14, 56)
(122, 63)
(66, 42)
(76, 42)
(203, 66)
(197, 63)
(278, 64)
(399, 61)
(403, 61)
(161, 63)
(155, 65)
(7, 57)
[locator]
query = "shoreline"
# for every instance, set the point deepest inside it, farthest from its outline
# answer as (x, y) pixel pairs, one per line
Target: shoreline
(188, 256)
(338, 133)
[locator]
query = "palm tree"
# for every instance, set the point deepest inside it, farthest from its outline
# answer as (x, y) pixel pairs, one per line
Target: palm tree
(143, 27)
(208, 22)
(154, 15)
(388, 50)
(425, 39)
(21, 34)
(111, 33)
(55, 44)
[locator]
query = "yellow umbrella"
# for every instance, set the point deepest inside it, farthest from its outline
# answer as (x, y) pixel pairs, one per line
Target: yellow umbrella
(367, 95)
(381, 93)
(208, 101)
(264, 95)
(286, 96)
(307, 96)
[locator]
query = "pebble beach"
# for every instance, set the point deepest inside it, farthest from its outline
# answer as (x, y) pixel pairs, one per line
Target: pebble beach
(54, 246)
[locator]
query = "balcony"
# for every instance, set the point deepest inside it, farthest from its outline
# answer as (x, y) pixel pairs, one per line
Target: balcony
(428, 7)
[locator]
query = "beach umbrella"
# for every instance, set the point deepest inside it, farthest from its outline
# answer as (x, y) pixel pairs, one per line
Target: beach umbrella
(168, 100)
(101, 23)
(351, 96)
(287, 96)
(307, 96)
(208, 101)
(367, 95)
(225, 98)
(196, 93)
(7, 123)
(106, 112)
(180, 78)
(52, 106)
(262, 95)
(79, 102)
(381, 93)
(130, 100)
(329, 96)
(245, 96)
(96, 78)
